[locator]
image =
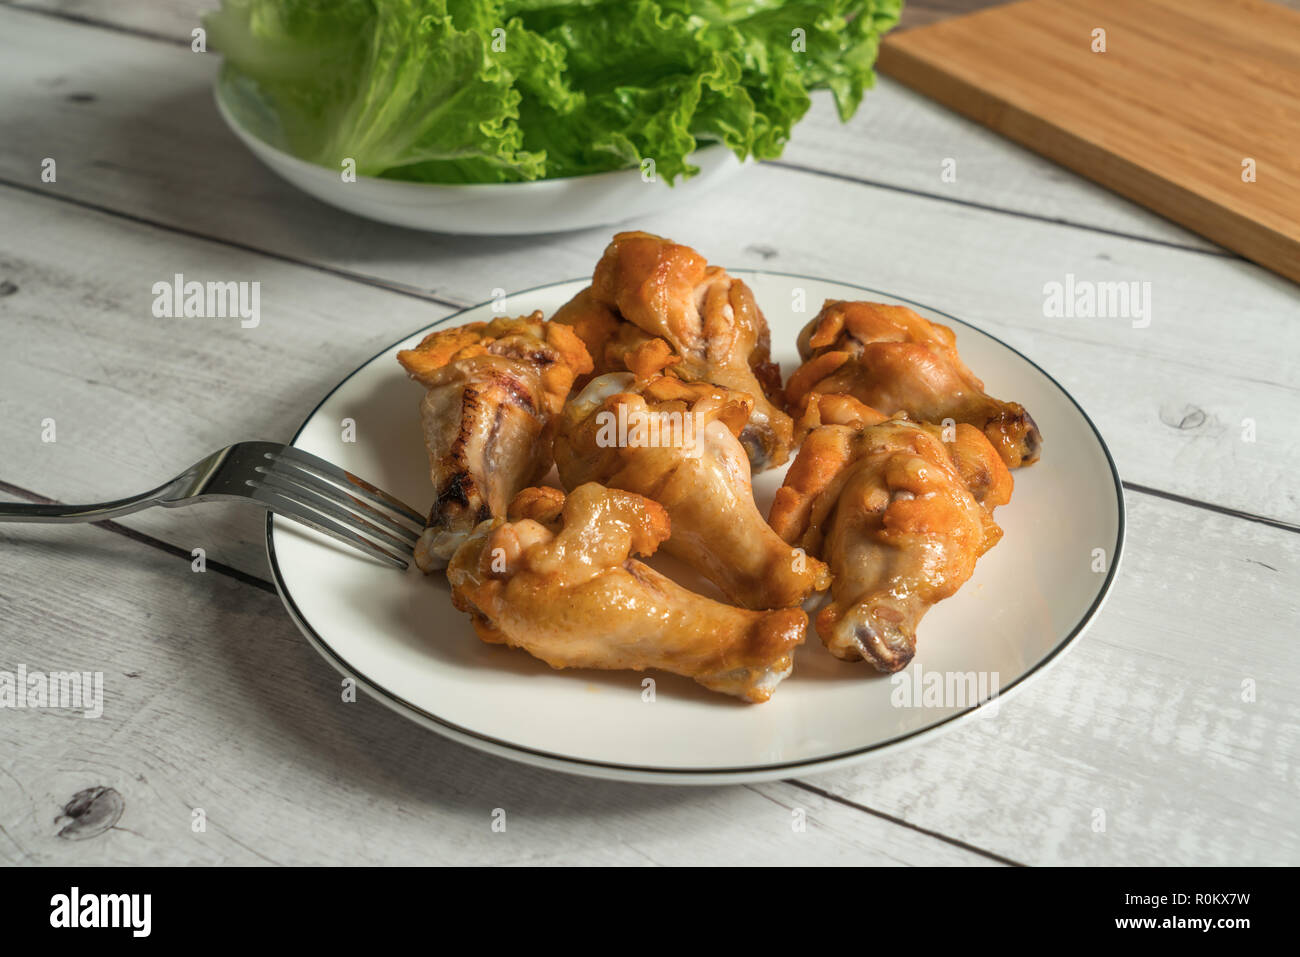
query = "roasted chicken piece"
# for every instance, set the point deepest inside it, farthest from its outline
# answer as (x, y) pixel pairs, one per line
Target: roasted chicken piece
(981, 468)
(887, 509)
(494, 391)
(557, 579)
(676, 443)
(897, 361)
(607, 336)
(645, 287)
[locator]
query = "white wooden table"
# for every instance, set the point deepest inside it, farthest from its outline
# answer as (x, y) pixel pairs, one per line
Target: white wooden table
(212, 699)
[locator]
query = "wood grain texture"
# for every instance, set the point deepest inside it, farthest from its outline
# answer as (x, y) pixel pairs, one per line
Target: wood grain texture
(1174, 393)
(213, 701)
(83, 279)
(1184, 93)
(915, 12)
(152, 396)
(897, 140)
(150, 145)
(177, 17)
(1144, 721)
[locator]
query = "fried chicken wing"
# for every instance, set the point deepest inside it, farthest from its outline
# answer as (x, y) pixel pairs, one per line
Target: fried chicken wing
(557, 579)
(981, 468)
(494, 391)
(887, 509)
(645, 287)
(607, 336)
(897, 361)
(676, 443)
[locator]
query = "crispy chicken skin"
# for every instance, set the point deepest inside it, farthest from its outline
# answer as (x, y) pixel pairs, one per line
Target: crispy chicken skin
(557, 579)
(679, 447)
(494, 391)
(607, 336)
(644, 287)
(887, 509)
(897, 361)
(982, 470)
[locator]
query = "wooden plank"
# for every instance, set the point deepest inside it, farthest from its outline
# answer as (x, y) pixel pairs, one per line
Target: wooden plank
(85, 278)
(138, 398)
(1183, 95)
(167, 19)
(213, 701)
(135, 399)
(82, 280)
(233, 713)
(918, 13)
(915, 12)
(898, 138)
(1143, 729)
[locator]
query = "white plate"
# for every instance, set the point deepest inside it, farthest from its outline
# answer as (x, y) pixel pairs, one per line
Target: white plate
(486, 209)
(399, 636)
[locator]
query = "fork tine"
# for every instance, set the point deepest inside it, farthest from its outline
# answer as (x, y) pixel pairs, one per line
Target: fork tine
(334, 510)
(298, 512)
(311, 463)
(295, 477)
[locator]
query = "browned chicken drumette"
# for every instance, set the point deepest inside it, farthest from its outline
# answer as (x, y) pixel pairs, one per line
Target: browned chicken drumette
(645, 287)
(607, 335)
(888, 510)
(897, 361)
(494, 391)
(676, 442)
(982, 470)
(557, 579)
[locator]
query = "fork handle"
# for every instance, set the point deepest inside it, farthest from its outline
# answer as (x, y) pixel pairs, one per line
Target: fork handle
(98, 512)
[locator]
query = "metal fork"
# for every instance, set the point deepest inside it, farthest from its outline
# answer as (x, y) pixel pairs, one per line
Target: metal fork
(281, 479)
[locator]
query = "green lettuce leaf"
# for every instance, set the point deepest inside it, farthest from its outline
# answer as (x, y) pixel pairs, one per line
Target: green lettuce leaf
(475, 91)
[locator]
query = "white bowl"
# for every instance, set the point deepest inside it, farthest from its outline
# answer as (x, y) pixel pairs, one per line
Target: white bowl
(488, 209)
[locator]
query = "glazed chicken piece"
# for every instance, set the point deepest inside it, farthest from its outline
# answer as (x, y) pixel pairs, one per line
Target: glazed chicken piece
(607, 336)
(645, 287)
(676, 443)
(897, 361)
(557, 579)
(982, 470)
(887, 509)
(494, 391)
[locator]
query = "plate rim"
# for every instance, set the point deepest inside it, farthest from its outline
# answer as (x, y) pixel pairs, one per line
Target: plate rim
(703, 776)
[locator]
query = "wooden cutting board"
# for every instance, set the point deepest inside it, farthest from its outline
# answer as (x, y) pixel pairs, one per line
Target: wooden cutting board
(1186, 95)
